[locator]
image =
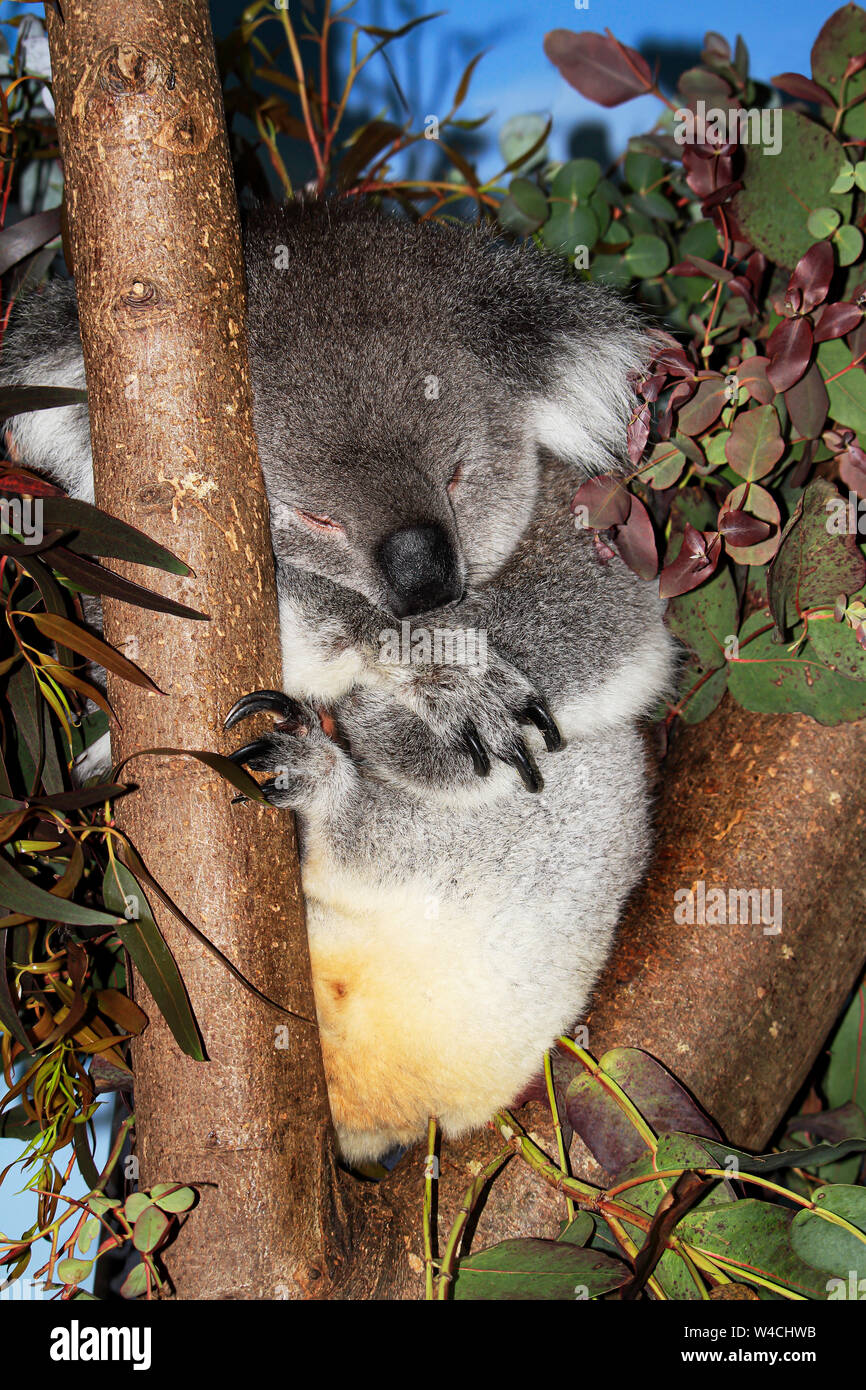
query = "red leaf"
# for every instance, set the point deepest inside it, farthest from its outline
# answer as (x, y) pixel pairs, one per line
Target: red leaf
(852, 469)
(27, 484)
(752, 373)
(606, 501)
(789, 349)
(837, 319)
(704, 408)
(599, 68)
(697, 560)
(796, 85)
(636, 541)
(741, 529)
(810, 281)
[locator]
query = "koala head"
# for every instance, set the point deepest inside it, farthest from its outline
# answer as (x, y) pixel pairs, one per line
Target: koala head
(406, 378)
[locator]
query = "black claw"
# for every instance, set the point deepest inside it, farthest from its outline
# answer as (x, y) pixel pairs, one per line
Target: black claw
(538, 714)
(273, 700)
(519, 757)
(250, 751)
(478, 753)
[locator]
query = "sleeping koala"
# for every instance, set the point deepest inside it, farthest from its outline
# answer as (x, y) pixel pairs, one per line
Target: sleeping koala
(464, 675)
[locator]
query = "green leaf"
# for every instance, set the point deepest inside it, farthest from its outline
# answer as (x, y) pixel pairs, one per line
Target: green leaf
(150, 1228)
(135, 1283)
(836, 644)
(643, 171)
(575, 180)
(827, 1246)
(773, 205)
(764, 1164)
(518, 136)
(151, 956)
(20, 895)
(647, 256)
(770, 679)
(88, 1233)
(848, 392)
(822, 222)
(579, 1231)
(815, 561)
(542, 1270)
(568, 229)
(135, 1204)
(73, 1271)
(172, 1198)
(843, 36)
(704, 620)
(97, 533)
(665, 466)
(755, 444)
(849, 244)
(752, 1238)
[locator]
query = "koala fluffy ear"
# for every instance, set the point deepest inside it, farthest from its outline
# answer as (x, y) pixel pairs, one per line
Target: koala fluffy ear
(583, 410)
(572, 351)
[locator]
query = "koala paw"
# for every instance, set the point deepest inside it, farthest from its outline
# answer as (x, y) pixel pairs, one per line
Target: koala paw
(298, 752)
(485, 709)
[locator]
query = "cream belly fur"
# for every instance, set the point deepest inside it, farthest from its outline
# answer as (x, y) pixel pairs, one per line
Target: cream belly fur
(417, 1016)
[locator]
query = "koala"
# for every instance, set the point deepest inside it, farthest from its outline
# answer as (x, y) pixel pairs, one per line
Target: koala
(465, 670)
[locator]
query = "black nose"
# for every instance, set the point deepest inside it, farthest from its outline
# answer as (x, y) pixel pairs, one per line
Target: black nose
(420, 569)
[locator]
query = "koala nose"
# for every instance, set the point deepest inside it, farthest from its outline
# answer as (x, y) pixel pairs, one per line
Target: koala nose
(421, 569)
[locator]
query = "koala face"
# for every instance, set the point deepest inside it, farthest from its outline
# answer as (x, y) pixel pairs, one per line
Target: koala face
(396, 463)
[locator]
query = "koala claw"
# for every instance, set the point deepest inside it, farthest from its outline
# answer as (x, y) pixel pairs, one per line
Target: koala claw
(519, 757)
(293, 713)
(476, 748)
(537, 713)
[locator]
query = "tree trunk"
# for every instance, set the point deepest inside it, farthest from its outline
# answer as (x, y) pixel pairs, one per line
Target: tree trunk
(154, 240)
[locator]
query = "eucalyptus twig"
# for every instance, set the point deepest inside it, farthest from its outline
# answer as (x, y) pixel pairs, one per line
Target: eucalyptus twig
(472, 1194)
(560, 1143)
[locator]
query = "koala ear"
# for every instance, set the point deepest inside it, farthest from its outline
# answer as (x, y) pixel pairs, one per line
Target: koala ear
(588, 398)
(572, 352)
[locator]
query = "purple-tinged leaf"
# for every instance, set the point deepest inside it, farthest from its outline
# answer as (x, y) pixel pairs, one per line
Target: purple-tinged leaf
(635, 540)
(837, 319)
(810, 281)
(608, 1131)
(605, 502)
(808, 402)
(739, 528)
(697, 560)
(600, 68)
(803, 88)
(704, 408)
(752, 373)
(789, 348)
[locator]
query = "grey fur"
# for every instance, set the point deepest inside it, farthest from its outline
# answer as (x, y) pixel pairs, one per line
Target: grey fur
(385, 356)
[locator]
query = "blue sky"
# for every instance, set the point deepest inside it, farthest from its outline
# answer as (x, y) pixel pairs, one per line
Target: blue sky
(515, 77)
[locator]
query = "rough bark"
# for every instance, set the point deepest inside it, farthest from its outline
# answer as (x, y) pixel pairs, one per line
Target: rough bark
(155, 244)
